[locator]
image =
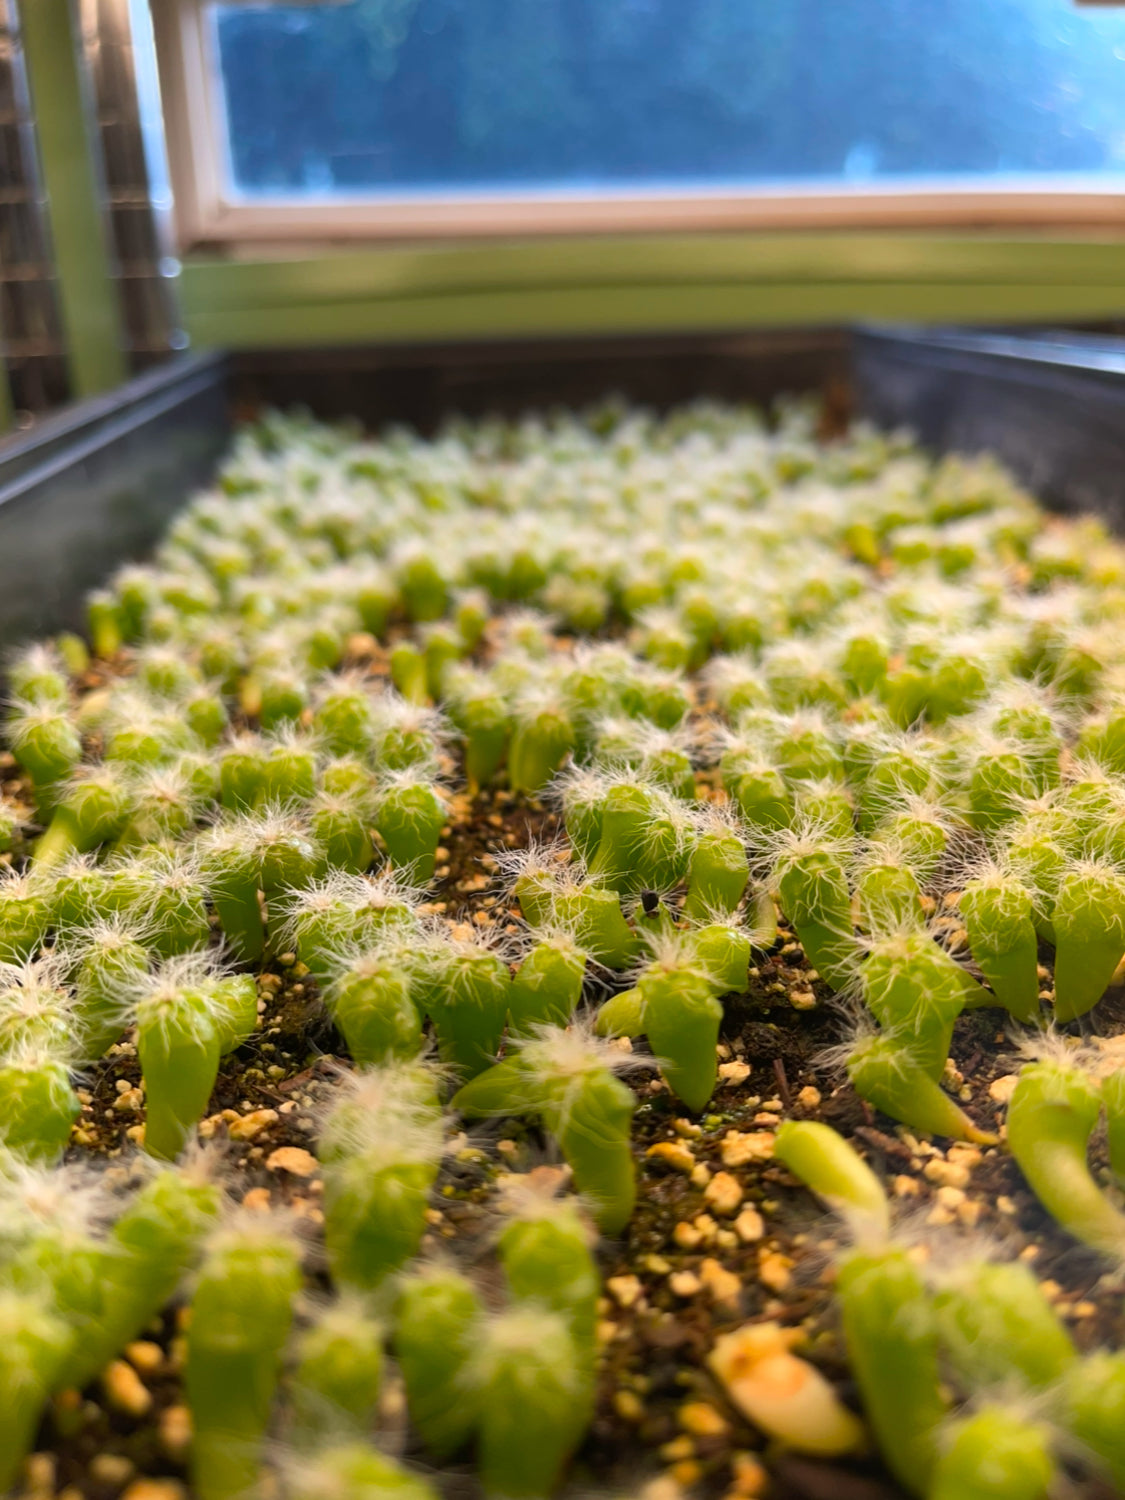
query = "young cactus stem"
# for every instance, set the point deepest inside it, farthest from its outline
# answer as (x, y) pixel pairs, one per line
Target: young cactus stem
(1051, 1116)
(338, 1372)
(531, 1414)
(815, 896)
(33, 1343)
(682, 1019)
(893, 1348)
(836, 1173)
(179, 1044)
(1001, 930)
(546, 988)
(995, 1454)
(241, 1312)
(997, 1326)
(883, 1072)
(565, 1079)
(1089, 927)
(437, 1329)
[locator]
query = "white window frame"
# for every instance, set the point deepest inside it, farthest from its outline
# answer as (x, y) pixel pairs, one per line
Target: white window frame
(206, 214)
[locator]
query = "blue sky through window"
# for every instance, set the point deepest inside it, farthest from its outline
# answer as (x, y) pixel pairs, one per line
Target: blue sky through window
(397, 96)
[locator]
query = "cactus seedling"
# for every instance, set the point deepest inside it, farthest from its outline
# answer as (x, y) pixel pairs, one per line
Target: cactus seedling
(36, 1008)
(406, 734)
(718, 872)
(836, 1173)
(1089, 926)
(381, 1143)
(596, 919)
(883, 1071)
(182, 1030)
(25, 916)
(998, 911)
(329, 918)
(625, 746)
(582, 793)
(38, 1104)
(90, 809)
(463, 985)
(343, 718)
(38, 674)
(354, 1470)
(761, 796)
(289, 772)
(559, 895)
(995, 1454)
(438, 1322)
(1092, 1400)
(893, 1348)
(480, 714)
(164, 803)
(370, 1001)
(45, 743)
(155, 1241)
(243, 774)
(162, 892)
(543, 734)
(547, 986)
(815, 896)
(996, 1324)
(1051, 1116)
(531, 1413)
(681, 1016)
(568, 1079)
(998, 783)
(241, 1310)
(915, 989)
(111, 962)
(888, 897)
(340, 826)
(270, 852)
(920, 833)
(33, 1343)
(55, 1241)
(337, 1370)
(409, 817)
(547, 1258)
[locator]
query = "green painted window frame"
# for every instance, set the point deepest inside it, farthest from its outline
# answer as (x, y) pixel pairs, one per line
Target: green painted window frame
(658, 283)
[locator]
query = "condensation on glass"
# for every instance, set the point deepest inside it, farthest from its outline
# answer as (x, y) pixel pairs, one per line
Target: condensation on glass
(399, 97)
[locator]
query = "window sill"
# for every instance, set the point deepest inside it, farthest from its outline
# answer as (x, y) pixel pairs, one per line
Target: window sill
(514, 288)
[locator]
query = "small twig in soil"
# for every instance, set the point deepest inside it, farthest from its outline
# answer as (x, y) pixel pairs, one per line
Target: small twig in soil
(782, 1083)
(885, 1143)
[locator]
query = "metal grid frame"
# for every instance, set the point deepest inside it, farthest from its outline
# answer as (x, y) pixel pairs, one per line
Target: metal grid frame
(137, 208)
(32, 341)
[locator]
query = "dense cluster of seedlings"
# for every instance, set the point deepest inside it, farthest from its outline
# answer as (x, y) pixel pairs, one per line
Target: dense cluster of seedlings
(880, 699)
(930, 1322)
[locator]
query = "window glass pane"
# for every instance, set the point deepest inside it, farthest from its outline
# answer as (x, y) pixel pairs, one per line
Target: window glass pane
(393, 96)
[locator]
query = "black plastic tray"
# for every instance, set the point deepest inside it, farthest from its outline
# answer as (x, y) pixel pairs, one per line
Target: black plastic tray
(1051, 405)
(95, 486)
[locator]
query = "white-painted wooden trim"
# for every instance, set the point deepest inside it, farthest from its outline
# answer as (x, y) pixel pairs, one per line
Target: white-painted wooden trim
(208, 213)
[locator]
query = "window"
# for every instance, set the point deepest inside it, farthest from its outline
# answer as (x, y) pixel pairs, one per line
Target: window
(415, 116)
